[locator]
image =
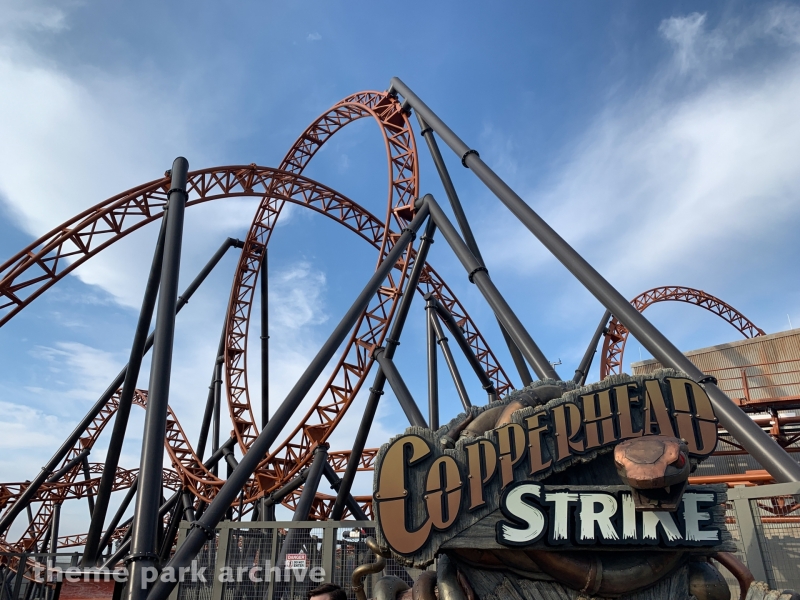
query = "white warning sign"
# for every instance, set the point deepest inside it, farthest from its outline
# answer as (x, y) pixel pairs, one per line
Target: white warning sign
(296, 561)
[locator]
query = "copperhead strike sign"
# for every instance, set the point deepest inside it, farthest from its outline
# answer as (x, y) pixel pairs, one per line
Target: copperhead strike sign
(538, 476)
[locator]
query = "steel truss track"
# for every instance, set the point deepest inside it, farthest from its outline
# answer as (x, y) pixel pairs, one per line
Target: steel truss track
(36, 268)
(617, 335)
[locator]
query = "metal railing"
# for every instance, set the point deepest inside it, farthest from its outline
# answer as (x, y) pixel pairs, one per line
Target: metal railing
(248, 560)
(765, 523)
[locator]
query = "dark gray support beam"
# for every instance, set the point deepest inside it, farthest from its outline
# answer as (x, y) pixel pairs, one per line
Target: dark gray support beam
(399, 387)
(754, 439)
(171, 531)
(112, 526)
(117, 555)
(183, 299)
(69, 466)
(480, 277)
(461, 340)
(586, 362)
(219, 454)
(469, 238)
(336, 483)
(145, 520)
(187, 502)
(278, 495)
(87, 475)
(90, 550)
(227, 452)
(105, 541)
(450, 361)
(264, 339)
(217, 410)
(376, 391)
(18, 578)
(315, 472)
(68, 444)
(433, 367)
(227, 494)
(304, 504)
(125, 542)
(55, 523)
(208, 413)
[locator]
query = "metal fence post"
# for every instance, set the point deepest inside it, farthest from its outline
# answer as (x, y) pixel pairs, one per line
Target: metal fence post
(749, 537)
(273, 560)
(219, 564)
(329, 552)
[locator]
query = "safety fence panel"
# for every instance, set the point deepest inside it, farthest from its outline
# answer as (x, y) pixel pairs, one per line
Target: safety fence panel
(765, 524)
(777, 522)
(285, 560)
(199, 588)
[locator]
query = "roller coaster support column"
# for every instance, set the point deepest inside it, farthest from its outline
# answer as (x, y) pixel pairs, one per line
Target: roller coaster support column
(469, 238)
(461, 340)
(250, 461)
(441, 339)
(310, 487)
(209, 411)
(278, 495)
(336, 483)
(480, 277)
(264, 339)
(752, 438)
(54, 525)
(90, 551)
(112, 526)
(303, 507)
(145, 520)
(217, 409)
(24, 498)
(433, 367)
(376, 391)
(87, 475)
(399, 388)
(68, 467)
(586, 362)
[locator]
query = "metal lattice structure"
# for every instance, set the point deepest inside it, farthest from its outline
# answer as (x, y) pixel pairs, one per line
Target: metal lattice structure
(288, 471)
(617, 335)
(32, 271)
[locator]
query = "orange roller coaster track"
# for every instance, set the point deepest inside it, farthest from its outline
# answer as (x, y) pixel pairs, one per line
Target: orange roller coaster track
(36, 268)
(617, 335)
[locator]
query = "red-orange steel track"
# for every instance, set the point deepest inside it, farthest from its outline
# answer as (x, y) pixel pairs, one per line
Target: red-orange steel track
(617, 335)
(36, 268)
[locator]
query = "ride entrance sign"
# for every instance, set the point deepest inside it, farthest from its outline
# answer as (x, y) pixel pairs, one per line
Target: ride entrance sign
(555, 467)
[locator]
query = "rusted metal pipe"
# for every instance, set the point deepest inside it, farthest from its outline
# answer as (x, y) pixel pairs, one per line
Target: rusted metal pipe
(738, 569)
(360, 572)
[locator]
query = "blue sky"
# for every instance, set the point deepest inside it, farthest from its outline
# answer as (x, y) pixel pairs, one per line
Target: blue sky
(661, 140)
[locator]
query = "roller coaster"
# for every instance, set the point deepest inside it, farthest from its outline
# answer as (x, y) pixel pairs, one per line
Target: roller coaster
(288, 471)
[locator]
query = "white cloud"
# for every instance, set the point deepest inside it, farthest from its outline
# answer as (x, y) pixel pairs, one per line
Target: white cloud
(296, 297)
(30, 15)
(669, 185)
(313, 37)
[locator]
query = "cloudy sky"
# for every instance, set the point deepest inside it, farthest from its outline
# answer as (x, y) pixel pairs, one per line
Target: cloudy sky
(662, 141)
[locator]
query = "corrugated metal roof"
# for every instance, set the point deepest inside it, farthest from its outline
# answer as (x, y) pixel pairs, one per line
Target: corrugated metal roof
(760, 368)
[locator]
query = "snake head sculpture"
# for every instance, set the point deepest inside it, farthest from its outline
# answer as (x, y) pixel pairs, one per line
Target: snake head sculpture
(656, 467)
